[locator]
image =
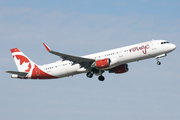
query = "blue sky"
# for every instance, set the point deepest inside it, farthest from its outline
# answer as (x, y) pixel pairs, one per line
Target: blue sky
(80, 27)
(163, 8)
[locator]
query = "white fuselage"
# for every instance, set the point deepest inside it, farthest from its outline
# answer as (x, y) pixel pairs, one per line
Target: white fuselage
(119, 56)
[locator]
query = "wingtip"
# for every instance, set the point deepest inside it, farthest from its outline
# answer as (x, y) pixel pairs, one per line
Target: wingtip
(47, 48)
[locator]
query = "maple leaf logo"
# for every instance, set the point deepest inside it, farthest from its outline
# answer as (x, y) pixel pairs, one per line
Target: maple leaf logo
(22, 63)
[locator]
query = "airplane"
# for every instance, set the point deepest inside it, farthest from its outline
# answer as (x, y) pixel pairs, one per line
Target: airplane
(114, 61)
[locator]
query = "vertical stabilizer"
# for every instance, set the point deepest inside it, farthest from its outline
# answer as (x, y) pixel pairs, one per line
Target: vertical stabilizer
(23, 63)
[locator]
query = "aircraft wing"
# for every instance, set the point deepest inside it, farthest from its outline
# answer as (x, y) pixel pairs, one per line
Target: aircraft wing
(84, 62)
(18, 73)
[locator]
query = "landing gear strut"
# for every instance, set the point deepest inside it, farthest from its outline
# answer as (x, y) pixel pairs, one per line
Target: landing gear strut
(160, 56)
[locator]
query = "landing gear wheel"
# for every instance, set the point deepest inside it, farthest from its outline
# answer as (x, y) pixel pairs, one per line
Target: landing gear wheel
(89, 75)
(101, 78)
(159, 63)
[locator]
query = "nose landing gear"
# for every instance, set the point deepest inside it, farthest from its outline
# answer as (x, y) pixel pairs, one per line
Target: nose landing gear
(160, 56)
(158, 62)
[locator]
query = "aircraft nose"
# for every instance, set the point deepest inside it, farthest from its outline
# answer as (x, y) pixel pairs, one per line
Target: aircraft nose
(173, 46)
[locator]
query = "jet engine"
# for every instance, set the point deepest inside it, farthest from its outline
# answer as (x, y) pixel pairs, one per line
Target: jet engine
(105, 63)
(119, 69)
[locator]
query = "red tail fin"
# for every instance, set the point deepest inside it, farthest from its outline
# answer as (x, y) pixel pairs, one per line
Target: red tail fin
(23, 63)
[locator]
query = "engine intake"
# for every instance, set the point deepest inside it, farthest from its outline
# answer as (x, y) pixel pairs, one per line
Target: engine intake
(103, 63)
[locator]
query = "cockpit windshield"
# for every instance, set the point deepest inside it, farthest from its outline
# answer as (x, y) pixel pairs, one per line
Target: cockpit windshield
(164, 42)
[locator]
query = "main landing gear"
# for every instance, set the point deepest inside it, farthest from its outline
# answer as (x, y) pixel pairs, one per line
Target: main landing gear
(90, 75)
(101, 78)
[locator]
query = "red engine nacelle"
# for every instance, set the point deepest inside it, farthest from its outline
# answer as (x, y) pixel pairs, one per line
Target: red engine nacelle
(119, 69)
(103, 63)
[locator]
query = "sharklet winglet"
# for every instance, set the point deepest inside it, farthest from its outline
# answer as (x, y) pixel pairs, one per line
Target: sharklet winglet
(47, 48)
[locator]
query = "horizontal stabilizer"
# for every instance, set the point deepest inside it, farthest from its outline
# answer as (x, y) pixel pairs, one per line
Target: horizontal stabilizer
(18, 73)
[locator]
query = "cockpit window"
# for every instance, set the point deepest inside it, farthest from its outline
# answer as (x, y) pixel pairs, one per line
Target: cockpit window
(164, 42)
